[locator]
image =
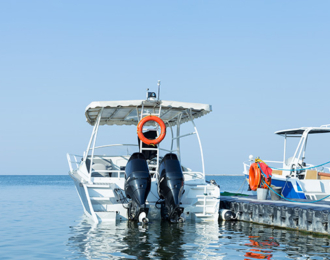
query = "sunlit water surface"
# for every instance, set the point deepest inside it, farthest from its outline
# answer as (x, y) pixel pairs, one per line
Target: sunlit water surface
(41, 218)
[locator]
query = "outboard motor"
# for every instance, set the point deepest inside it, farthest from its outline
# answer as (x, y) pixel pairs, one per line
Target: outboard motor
(137, 187)
(171, 188)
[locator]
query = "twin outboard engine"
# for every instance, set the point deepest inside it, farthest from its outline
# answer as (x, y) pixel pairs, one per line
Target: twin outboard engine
(171, 188)
(137, 187)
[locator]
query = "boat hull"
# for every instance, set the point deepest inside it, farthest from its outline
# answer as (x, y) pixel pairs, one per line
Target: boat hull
(102, 204)
(293, 188)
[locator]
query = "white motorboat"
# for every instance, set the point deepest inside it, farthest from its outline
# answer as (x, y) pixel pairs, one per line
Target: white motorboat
(142, 183)
(296, 178)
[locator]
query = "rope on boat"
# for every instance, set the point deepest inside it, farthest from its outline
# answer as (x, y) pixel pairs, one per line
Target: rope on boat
(242, 187)
(313, 201)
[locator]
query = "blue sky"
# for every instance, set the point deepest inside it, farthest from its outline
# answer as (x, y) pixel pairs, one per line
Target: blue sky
(262, 65)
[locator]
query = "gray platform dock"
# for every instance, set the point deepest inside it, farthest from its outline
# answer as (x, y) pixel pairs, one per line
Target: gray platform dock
(309, 217)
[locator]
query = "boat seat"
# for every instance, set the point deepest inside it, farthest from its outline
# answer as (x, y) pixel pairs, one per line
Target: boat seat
(98, 170)
(277, 172)
(311, 175)
(324, 176)
(100, 165)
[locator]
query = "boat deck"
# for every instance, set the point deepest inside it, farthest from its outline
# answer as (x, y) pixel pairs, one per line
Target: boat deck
(309, 217)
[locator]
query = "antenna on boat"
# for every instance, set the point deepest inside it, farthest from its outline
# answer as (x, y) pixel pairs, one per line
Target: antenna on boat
(152, 95)
(147, 93)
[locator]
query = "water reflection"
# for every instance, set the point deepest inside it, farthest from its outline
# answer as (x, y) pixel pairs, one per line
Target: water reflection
(223, 240)
(157, 240)
(267, 242)
(261, 247)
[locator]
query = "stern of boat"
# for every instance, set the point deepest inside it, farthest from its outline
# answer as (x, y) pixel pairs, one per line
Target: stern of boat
(201, 200)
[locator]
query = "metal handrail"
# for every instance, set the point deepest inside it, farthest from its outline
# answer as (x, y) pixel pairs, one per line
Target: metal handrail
(194, 174)
(199, 175)
(109, 170)
(112, 171)
(112, 145)
(76, 162)
(246, 162)
(308, 165)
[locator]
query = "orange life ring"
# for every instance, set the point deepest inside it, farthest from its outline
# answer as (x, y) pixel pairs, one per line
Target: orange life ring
(255, 178)
(162, 130)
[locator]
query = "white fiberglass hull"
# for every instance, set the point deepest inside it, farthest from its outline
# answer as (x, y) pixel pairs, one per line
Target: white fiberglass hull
(101, 202)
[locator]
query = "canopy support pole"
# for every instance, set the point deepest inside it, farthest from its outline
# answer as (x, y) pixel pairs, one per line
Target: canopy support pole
(199, 140)
(93, 139)
(284, 154)
(172, 138)
(178, 134)
(90, 140)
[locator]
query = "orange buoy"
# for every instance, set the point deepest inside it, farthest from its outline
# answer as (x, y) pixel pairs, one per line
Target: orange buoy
(254, 176)
(162, 130)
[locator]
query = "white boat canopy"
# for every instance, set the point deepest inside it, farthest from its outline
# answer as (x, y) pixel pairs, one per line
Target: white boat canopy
(128, 112)
(299, 131)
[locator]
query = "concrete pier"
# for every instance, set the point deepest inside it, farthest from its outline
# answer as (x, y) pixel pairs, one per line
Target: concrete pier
(309, 217)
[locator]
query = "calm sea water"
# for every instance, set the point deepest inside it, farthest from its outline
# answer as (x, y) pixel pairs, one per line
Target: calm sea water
(41, 218)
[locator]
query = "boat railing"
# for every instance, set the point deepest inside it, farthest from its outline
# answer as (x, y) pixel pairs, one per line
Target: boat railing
(73, 160)
(113, 145)
(128, 145)
(247, 164)
(119, 173)
(328, 168)
(318, 168)
(196, 175)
